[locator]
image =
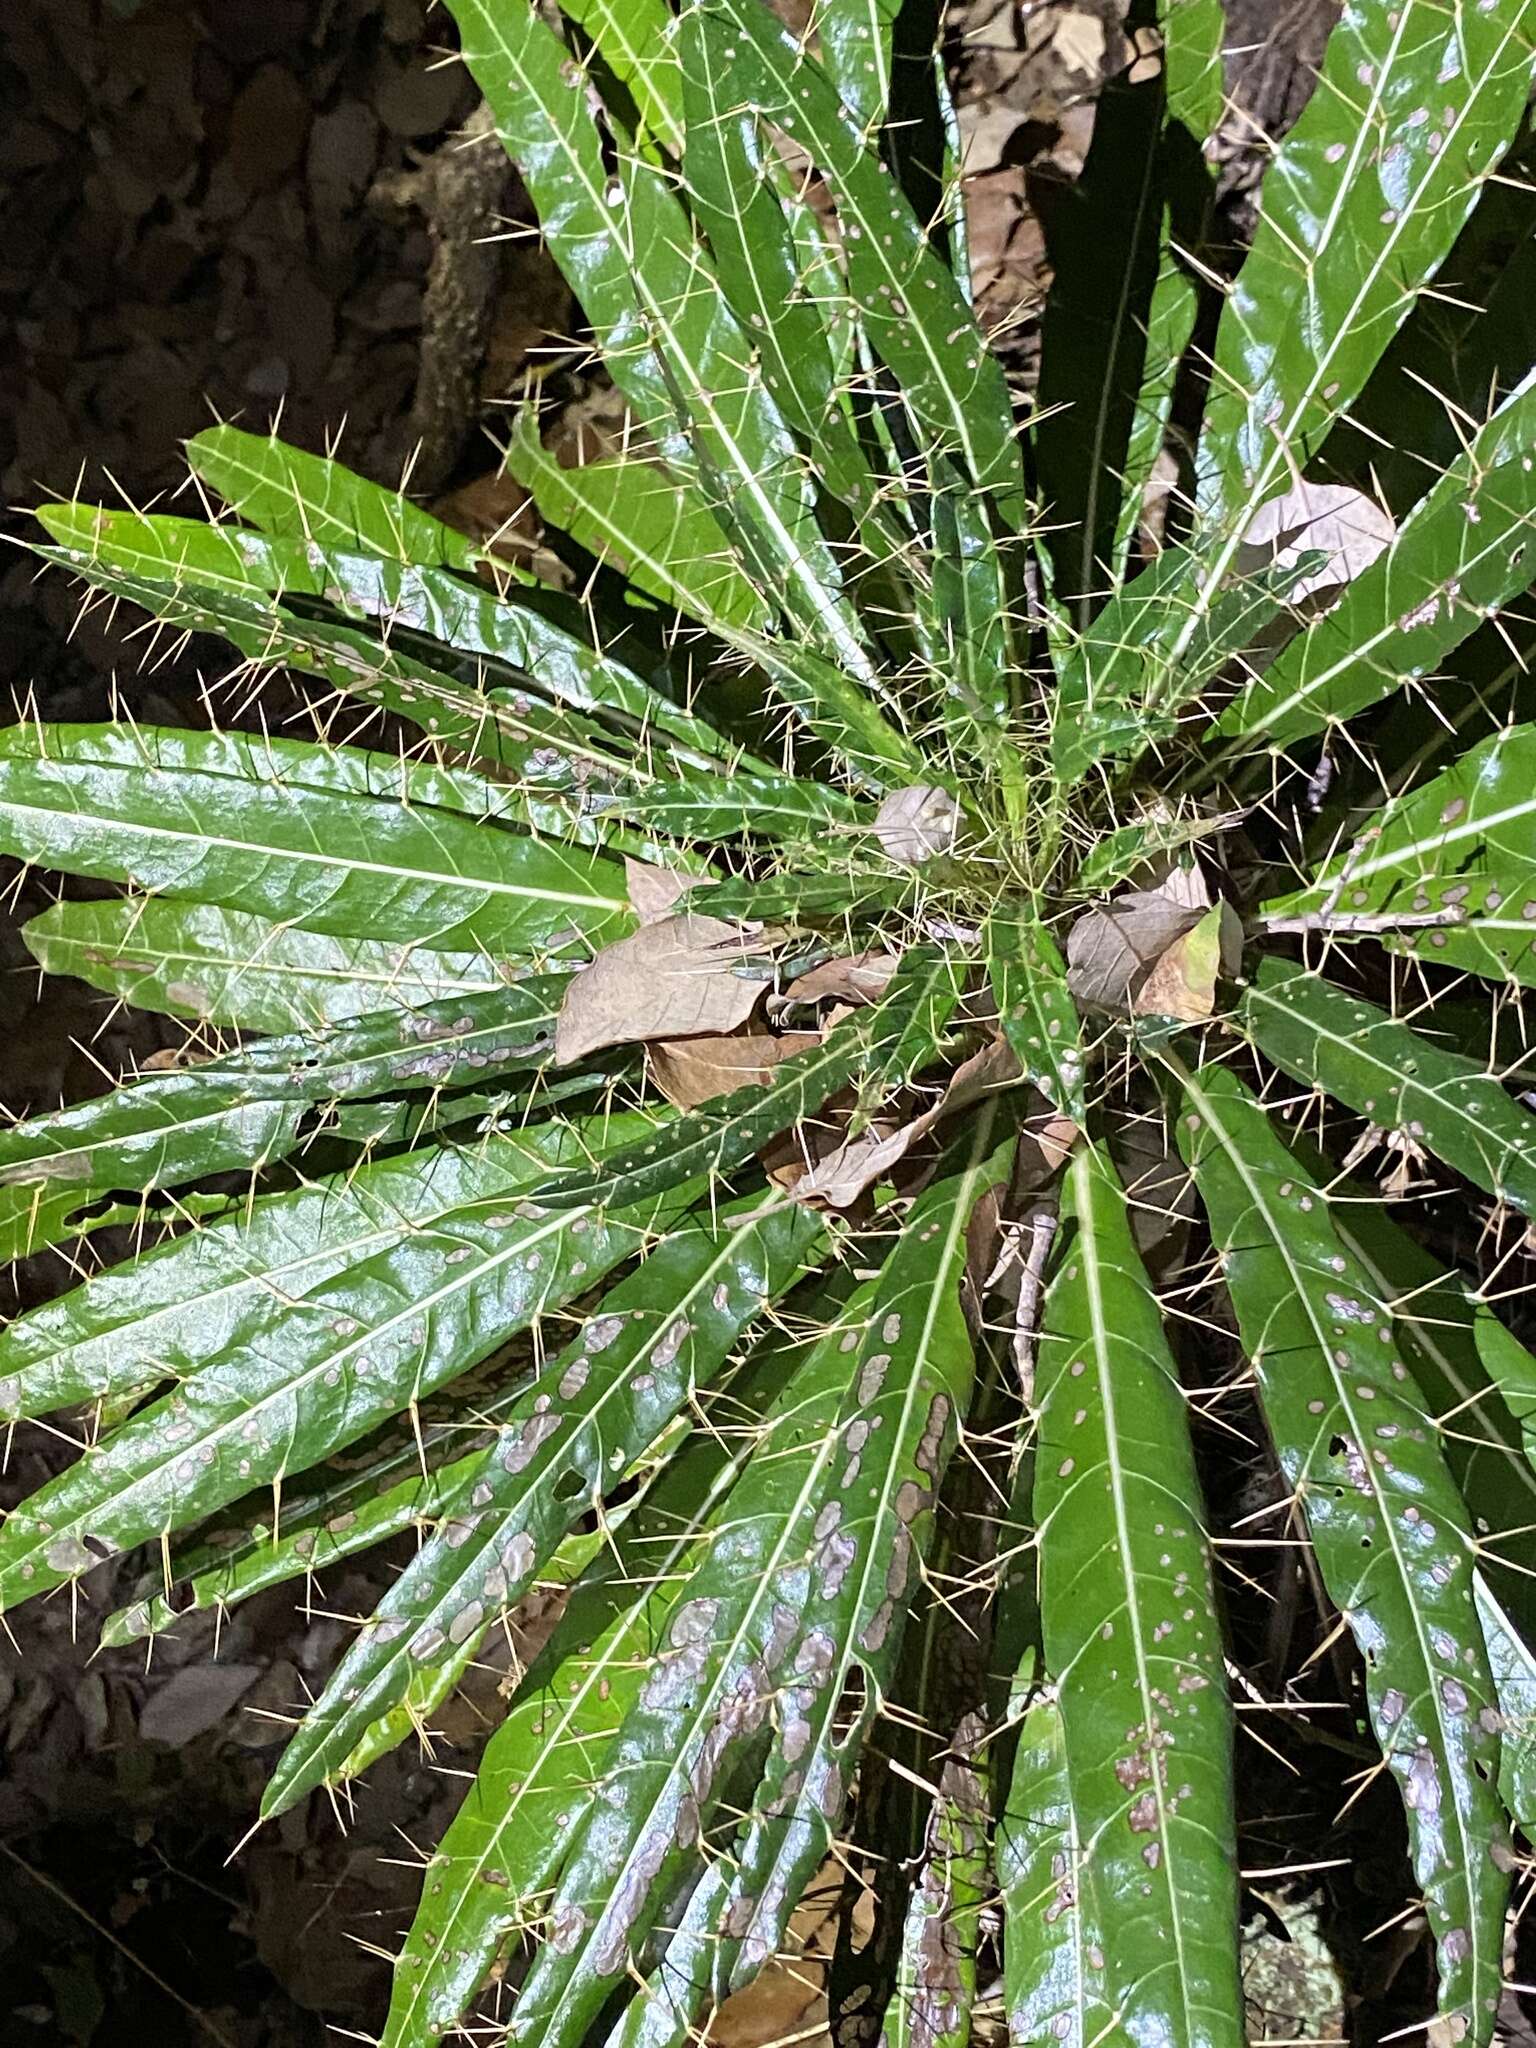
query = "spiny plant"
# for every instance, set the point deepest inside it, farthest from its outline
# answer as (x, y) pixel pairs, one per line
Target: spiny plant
(671, 1098)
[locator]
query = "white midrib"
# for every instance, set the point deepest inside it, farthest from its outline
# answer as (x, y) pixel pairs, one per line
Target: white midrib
(1083, 1178)
(208, 842)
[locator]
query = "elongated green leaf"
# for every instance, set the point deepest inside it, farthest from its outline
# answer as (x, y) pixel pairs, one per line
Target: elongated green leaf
(745, 201)
(724, 1135)
(1361, 204)
(564, 1444)
(847, 1523)
(33, 1217)
(855, 41)
(239, 822)
(1450, 1105)
(635, 41)
(297, 496)
(1131, 1633)
(747, 459)
(1038, 1015)
(245, 1109)
(272, 1381)
(535, 88)
(1390, 1530)
(909, 1382)
(1463, 551)
(872, 750)
(540, 1772)
(194, 960)
(708, 807)
(1514, 1674)
(972, 605)
(1102, 239)
(657, 531)
(1151, 651)
(1442, 1334)
(936, 1978)
(911, 307)
(1194, 85)
(394, 1482)
(1460, 849)
(409, 601)
(1053, 1950)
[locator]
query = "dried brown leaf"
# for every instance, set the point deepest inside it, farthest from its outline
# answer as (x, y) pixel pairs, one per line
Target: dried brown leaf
(676, 978)
(692, 1071)
(1111, 952)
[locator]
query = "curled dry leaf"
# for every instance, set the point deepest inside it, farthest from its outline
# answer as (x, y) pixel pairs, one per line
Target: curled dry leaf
(1183, 980)
(1347, 527)
(693, 1071)
(1112, 952)
(853, 978)
(838, 1179)
(913, 825)
(654, 893)
(677, 978)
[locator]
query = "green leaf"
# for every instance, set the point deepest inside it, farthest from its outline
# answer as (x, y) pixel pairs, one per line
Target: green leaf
(1132, 1635)
(1514, 1674)
(634, 38)
(283, 829)
(1053, 1950)
(747, 460)
(195, 960)
(539, 1775)
(1452, 864)
(565, 1443)
(407, 600)
(1151, 651)
(1102, 239)
(310, 498)
(723, 1136)
(1451, 1105)
(1442, 1334)
(805, 1582)
(657, 531)
(876, 755)
(1193, 80)
(245, 1108)
(422, 1266)
(854, 37)
(537, 93)
(1038, 1015)
(712, 808)
(1388, 1525)
(745, 200)
(1463, 551)
(1362, 201)
(911, 307)
(935, 1991)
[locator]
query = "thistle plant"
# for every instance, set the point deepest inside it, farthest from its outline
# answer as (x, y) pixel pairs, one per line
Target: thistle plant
(670, 1091)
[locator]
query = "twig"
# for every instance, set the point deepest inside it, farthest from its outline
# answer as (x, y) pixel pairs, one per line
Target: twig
(57, 1891)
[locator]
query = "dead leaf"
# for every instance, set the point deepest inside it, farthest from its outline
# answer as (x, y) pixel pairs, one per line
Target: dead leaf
(852, 978)
(913, 825)
(1182, 983)
(654, 893)
(676, 978)
(1111, 952)
(193, 1700)
(691, 1071)
(838, 1180)
(1350, 529)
